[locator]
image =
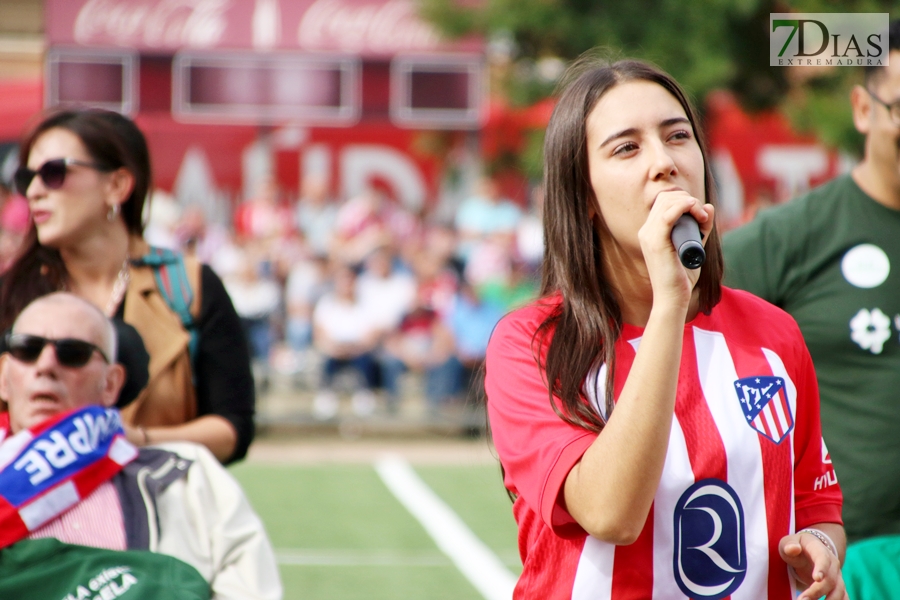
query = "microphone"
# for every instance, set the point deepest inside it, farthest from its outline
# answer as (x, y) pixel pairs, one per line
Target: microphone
(686, 239)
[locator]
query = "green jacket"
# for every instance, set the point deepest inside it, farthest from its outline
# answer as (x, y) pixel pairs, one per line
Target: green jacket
(47, 569)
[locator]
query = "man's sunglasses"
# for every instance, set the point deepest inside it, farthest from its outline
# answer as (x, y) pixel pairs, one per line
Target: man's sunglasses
(52, 173)
(69, 352)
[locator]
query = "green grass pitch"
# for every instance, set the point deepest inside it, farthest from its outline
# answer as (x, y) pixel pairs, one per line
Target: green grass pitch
(341, 535)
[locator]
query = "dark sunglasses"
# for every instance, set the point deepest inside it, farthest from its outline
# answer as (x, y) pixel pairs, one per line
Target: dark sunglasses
(52, 173)
(69, 352)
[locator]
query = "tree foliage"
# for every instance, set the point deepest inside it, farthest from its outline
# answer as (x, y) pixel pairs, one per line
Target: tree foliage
(705, 45)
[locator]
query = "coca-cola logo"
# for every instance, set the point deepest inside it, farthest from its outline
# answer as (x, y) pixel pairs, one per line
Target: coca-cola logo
(382, 27)
(153, 23)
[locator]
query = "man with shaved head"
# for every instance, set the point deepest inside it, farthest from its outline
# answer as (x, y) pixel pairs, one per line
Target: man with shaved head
(67, 470)
(43, 387)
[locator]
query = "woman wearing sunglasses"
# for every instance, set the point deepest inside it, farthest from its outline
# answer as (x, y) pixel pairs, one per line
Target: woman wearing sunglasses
(86, 175)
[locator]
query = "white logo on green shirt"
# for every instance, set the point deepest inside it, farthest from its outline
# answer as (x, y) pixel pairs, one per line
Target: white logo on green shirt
(865, 266)
(106, 585)
(870, 330)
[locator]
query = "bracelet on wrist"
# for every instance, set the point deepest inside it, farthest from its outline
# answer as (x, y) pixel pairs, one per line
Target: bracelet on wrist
(822, 537)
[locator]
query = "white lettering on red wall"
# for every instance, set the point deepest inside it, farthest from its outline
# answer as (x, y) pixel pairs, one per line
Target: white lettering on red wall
(793, 167)
(387, 27)
(154, 23)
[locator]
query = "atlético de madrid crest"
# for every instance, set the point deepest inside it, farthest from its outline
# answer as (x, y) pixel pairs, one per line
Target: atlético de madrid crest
(765, 406)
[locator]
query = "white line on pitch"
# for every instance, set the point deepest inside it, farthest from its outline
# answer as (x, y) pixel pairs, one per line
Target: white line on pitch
(475, 560)
(338, 557)
(347, 558)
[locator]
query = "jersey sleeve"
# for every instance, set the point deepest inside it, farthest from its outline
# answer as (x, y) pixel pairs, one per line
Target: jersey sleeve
(817, 494)
(536, 447)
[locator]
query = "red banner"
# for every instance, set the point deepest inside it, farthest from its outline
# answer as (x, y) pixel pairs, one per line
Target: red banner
(20, 101)
(369, 28)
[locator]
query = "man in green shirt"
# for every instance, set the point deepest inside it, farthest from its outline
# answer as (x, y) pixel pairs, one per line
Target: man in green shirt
(831, 258)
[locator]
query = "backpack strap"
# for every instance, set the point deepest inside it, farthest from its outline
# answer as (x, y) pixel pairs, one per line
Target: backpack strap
(176, 288)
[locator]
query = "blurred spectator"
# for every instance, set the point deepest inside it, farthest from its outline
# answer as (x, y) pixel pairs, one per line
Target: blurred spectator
(316, 214)
(284, 252)
(307, 281)
(441, 241)
(483, 214)
(370, 220)
(530, 232)
(491, 258)
(386, 291)
(256, 298)
(360, 228)
(228, 258)
(406, 229)
(346, 335)
(200, 238)
(422, 343)
(518, 288)
(261, 217)
(162, 215)
(471, 320)
(437, 281)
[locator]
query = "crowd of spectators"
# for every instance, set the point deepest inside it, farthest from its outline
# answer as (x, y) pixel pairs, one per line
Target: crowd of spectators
(351, 295)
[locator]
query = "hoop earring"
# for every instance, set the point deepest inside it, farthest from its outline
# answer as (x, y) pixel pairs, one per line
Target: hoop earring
(112, 213)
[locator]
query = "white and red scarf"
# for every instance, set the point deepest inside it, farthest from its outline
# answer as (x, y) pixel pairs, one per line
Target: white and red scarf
(49, 468)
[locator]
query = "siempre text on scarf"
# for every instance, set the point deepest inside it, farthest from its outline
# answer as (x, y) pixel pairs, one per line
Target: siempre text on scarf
(47, 469)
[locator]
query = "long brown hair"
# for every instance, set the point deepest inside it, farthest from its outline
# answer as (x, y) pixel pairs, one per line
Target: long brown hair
(112, 141)
(580, 334)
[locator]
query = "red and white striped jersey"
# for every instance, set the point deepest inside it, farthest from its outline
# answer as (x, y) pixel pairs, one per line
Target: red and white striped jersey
(745, 465)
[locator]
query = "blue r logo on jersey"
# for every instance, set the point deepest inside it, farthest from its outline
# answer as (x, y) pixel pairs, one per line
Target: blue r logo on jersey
(710, 558)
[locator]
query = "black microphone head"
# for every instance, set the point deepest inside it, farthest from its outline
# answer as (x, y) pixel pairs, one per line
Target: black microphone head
(692, 254)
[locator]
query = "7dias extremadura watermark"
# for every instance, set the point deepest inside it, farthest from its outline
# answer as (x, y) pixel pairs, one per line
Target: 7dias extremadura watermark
(828, 39)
